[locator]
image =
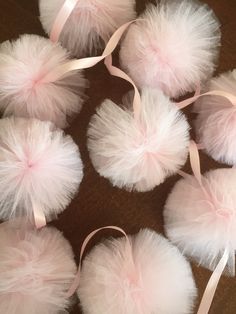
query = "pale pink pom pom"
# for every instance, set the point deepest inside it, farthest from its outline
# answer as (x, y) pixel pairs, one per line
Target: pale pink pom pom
(216, 121)
(30, 84)
(174, 46)
(140, 154)
(150, 277)
(91, 23)
(39, 167)
(203, 223)
(37, 269)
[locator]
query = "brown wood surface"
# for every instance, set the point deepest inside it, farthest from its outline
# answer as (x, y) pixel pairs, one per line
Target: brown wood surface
(98, 203)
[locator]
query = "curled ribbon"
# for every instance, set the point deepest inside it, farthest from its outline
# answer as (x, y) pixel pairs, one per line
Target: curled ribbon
(118, 73)
(85, 63)
(76, 281)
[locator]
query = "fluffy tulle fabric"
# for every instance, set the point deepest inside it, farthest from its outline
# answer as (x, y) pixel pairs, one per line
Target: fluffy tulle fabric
(36, 270)
(138, 155)
(91, 23)
(203, 223)
(39, 166)
(30, 84)
(116, 279)
(216, 121)
(174, 48)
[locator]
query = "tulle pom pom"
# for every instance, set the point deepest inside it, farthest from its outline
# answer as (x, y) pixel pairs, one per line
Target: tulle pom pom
(174, 46)
(139, 154)
(143, 278)
(36, 270)
(91, 23)
(216, 122)
(39, 167)
(201, 221)
(31, 85)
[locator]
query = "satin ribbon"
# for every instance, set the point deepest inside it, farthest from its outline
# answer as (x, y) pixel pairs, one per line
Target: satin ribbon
(186, 102)
(212, 284)
(85, 63)
(119, 73)
(217, 273)
(76, 282)
(195, 161)
(61, 19)
(39, 216)
(220, 93)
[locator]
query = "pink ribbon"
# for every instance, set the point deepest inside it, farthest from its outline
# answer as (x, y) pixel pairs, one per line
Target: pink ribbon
(85, 63)
(195, 162)
(39, 217)
(89, 62)
(61, 19)
(212, 284)
(76, 282)
(216, 275)
(118, 73)
(190, 100)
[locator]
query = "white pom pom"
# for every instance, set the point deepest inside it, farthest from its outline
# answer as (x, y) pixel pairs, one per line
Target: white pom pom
(36, 269)
(202, 222)
(39, 166)
(216, 122)
(147, 279)
(91, 23)
(30, 84)
(173, 46)
(139, 154)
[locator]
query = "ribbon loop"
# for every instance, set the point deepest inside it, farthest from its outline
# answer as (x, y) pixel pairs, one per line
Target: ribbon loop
(75, 284)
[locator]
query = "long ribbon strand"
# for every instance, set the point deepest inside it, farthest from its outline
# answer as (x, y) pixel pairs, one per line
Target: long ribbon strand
(220, 93)
(76, 282)
(212, 284)
(217, 273)
(61, 19)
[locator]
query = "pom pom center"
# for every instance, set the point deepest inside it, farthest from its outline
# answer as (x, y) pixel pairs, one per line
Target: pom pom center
(157, 53)
(225, 212)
